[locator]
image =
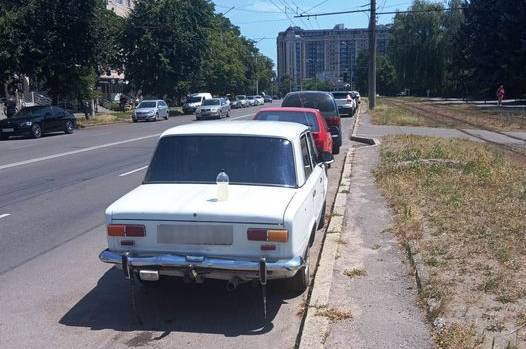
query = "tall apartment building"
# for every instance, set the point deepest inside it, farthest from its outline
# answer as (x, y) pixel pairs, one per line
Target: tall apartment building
(120, 7)
(325, 54)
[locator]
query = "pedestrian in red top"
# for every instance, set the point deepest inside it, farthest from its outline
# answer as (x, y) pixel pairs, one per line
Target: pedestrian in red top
(500, 94)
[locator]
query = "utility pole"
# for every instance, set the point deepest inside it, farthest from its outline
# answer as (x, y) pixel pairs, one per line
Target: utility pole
(372, 56)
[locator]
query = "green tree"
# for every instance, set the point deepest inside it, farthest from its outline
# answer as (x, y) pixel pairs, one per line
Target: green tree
(386, 80)
(56, 43)
(417, 48)
(492, 46)
(317, 85)
(165, 44)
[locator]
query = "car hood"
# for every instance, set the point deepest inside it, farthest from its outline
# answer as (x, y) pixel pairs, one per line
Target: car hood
(145, 110)
(197, 202)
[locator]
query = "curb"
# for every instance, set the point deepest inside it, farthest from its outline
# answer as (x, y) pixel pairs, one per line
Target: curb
(356, 138)
(315, 327)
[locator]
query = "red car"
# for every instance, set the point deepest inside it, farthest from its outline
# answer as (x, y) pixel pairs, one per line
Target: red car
(306, 116)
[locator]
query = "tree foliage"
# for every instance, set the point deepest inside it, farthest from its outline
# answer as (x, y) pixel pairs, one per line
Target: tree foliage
(386, 79)
(492, 47)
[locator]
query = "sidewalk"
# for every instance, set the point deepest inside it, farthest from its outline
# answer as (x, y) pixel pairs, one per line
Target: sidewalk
(383, 301)
(367, 129)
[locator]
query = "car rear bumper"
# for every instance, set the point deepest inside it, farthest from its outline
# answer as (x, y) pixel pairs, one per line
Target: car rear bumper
(217, 268)
(345, 109)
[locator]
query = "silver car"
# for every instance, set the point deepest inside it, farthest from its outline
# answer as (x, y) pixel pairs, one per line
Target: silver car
(215, 108)
(242, 100)
(150, 110)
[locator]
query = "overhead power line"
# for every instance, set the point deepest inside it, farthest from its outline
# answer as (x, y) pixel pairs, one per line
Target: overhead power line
(378, 13)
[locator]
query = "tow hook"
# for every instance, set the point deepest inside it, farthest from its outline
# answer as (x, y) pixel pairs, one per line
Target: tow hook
(126, 265)
(263, 283)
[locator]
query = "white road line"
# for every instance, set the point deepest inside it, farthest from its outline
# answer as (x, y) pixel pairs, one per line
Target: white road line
(133, 171)
(73, 152)
(242, 116)
(5, 215)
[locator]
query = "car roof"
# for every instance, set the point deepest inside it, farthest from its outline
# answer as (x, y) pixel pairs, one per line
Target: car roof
(151, 100)
(291, 109)
(308, 93)
(279, 129)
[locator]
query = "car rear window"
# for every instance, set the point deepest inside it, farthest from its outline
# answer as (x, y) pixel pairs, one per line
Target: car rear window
(340, 95)
(247, 160)
(307, 119)
(321, 101)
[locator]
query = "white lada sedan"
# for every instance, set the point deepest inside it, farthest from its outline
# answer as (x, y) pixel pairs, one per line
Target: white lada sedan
(181, 222)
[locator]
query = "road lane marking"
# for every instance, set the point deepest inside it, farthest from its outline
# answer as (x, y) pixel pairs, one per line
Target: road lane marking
(5, 215)
(133, 171)
(242, 116)
(73, 152)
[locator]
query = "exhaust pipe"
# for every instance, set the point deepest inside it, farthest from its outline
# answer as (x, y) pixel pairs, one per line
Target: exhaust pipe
(232, 284)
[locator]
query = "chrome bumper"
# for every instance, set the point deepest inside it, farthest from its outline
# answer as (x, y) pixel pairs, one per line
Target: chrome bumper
(283, 268)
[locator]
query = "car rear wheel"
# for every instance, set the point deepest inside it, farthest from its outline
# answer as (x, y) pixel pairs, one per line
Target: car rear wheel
(166, 117)
(300, 281)
(36, 131)
(336, 149)
(68, 127)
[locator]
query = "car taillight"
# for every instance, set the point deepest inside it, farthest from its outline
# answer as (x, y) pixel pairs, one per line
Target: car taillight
(276, 235)
(333, 121)
(133, 230)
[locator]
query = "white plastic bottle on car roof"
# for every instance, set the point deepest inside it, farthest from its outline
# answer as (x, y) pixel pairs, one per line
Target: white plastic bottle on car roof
(222, 181)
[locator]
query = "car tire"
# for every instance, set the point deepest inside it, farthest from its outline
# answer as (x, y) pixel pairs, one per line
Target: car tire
(4, 137)
(69, 128)
(166, 117)
(321, 223)
(134, 120)
(228, 114)
(336, 149)
(36, 131)
(300, 281)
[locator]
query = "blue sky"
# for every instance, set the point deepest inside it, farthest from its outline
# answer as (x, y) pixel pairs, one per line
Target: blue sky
(266, 18)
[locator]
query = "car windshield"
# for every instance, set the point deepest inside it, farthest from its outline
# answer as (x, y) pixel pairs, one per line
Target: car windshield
(305, 118)
(250, 97)
(147, 105)
(340, 95)
(241, 97)
(248, 160)
(321, 101)
(193, 100)
(213, 101)
(27, 112)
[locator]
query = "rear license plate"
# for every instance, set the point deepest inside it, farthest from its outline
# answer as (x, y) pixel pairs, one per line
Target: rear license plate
(8, 130)
(195, 234)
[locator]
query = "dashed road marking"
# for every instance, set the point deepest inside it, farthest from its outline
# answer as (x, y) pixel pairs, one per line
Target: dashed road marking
(133, 171)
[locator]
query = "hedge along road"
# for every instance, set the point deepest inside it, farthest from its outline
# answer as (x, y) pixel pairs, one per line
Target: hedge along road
(55, 292)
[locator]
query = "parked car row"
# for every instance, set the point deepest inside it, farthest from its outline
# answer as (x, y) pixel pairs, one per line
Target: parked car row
(347, 102)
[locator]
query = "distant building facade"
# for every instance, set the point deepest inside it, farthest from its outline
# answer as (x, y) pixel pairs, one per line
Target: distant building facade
(120, 7)
(325, 54)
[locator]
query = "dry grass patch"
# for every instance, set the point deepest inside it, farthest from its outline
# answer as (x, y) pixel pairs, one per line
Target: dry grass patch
(467, 217)
(388, 114)
(355, 272)
(104, 119)
(333, 314)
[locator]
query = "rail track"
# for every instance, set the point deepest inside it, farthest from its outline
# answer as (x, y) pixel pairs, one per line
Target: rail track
(515, 148)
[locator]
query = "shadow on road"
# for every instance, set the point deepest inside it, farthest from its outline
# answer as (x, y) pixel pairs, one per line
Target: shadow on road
(173, 306)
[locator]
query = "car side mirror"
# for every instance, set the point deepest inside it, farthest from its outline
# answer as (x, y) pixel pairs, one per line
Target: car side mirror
(325, 158)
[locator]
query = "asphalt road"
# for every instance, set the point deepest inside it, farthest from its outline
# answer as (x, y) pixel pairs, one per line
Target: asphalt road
(53, 290)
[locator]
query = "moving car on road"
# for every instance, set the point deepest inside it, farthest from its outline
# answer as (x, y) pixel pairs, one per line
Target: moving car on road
(259, 100)
(356, 96)
(252, 101)
(306, 116)
(194, 101)
(324, 102)
(236, 202)
(37, 120)
(243, 100)
(150, 110)
(267, 99)
(215, 108)
(345, 101)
